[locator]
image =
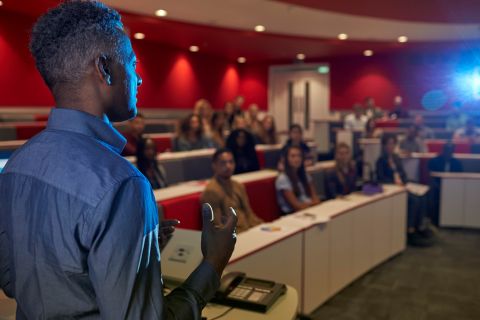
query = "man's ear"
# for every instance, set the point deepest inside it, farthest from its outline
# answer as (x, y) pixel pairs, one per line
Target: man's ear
(103, 69)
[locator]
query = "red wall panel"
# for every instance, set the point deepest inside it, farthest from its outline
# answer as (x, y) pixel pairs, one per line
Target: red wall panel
(176, 78)
(172, 78)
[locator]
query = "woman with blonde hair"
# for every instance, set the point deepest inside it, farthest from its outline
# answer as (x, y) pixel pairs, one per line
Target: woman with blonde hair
(203, 109)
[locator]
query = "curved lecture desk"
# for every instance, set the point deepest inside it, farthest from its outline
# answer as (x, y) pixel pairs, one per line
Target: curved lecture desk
(459, 199)
(322, 249)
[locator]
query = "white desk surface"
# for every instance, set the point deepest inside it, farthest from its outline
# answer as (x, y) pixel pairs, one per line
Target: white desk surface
(159, 135)
(267, 234)
(11, 144)
(256, 175)
(185, 154)
(179, 190)
(285, 308)
(321, 165)
(456, 175)
(261, 236)
(468, 156)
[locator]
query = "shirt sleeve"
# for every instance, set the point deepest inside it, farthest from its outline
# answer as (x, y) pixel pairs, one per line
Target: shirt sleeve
(283, 183)
(124, 261)
(5, 277)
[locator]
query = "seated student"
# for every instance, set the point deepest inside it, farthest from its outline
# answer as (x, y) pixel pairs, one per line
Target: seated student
(342, 179)
(412, 142)
(239, 122)
(268, 132)
(295, 190)
(399, 110)
(229, 110)
(371, 109)
(444, 162)
(295, 138)
(470, 131)
(223, 193)
(371, 131)
(217, 124)
(424, 132)
(203, 109)
(136, 127)
(148, 165)
(355, 121)
(252, 118)
(242, 144)
(390, 170)
(190, 135)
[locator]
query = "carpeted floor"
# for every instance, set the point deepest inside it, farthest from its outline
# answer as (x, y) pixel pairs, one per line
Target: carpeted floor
(436, 283)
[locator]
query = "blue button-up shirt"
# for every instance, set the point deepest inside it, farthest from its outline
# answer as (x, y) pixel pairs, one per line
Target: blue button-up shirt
(79, 227)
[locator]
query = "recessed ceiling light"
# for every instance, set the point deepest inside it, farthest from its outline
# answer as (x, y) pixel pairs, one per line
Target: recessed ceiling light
(368, 53)
(300, 56)
(402, 39)
(139, 36)
(343, 36)
(241, 60)
(194, 48)
(1, 3)
(259, 28)
(161, 13)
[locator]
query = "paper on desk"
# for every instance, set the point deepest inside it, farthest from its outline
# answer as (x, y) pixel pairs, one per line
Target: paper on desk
(417, 189)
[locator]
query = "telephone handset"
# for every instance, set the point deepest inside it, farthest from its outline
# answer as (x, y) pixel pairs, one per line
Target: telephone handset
(236, 290)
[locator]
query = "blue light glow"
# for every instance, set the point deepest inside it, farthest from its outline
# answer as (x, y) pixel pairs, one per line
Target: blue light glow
(476, 83)
(434, 99)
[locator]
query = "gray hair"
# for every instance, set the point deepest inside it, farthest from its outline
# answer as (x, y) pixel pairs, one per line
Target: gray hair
(68, 38)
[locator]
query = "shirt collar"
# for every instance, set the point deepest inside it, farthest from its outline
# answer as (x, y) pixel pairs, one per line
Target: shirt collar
(86, 124)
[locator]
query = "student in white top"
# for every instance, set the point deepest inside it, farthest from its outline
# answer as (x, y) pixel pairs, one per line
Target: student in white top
(356, 121)
(468, 132)
(294, 186)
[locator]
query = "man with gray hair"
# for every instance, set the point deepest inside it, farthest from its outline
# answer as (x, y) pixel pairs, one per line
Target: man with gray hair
(78, 223)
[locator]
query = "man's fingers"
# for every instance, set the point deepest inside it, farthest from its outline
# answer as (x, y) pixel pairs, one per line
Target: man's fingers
(231, 220)
(168, 230)
(169, 223)
(207, 215)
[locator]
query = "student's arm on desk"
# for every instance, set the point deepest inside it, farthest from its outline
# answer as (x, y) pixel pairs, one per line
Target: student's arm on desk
(121, 237)
(313, 192)
(293, 201)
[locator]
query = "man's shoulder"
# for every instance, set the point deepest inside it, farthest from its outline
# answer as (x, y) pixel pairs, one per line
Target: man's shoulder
(212, 186)
(75, 164)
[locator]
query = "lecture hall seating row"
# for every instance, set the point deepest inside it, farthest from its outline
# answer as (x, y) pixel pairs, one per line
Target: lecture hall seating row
(182, 201)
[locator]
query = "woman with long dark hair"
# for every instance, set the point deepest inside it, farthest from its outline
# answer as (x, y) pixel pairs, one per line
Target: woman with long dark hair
(242, 144)
(390, 170)
(190, 135)
(148, 165)
(295, 190)
(217, 123)
(268, 131)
